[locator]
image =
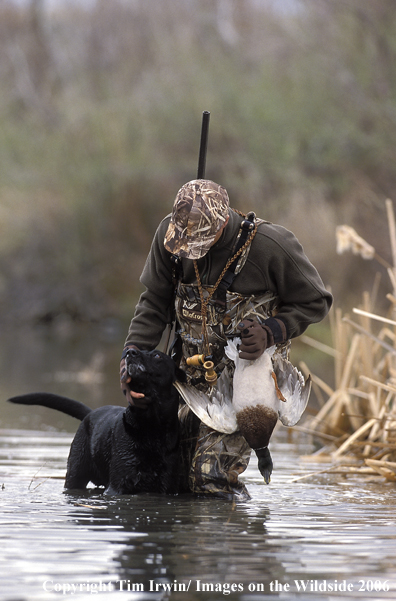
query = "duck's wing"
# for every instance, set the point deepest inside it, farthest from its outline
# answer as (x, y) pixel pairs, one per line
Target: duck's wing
(215, 410)
(294, 389)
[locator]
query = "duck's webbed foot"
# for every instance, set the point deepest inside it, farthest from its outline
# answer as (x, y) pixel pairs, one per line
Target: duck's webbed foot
(265, 464)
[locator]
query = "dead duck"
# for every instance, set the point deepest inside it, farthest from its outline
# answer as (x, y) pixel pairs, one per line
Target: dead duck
(261, 392)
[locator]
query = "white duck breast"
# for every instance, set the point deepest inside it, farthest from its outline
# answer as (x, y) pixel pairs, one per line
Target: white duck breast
(255, 399)
(253, 380)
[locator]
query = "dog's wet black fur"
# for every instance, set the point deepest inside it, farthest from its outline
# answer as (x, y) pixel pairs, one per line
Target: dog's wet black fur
(132, 450)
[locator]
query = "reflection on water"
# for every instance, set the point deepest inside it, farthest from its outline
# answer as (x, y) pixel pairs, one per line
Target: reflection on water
(80, 363)
(313, 534)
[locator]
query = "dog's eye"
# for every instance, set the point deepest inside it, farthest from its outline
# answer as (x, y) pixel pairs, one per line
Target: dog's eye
(157, 356)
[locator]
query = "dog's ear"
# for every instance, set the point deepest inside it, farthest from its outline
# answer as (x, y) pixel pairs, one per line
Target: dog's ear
(180, 375)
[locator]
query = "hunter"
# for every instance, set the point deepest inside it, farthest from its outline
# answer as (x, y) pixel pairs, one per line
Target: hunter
(217, 274)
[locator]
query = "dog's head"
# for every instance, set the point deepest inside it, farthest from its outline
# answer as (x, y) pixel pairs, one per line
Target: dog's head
(153, 374)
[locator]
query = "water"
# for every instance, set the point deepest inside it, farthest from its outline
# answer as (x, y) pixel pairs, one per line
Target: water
(335, 537)
(318, 533)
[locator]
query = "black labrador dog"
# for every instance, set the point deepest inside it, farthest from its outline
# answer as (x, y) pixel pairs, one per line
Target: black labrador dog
(132, 450)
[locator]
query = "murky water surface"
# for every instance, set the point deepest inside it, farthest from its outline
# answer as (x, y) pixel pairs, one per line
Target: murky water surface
(322, 535)
(321, 538)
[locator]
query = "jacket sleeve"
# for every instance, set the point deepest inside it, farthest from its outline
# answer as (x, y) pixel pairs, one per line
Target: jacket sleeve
(153, 311)
(303, 298)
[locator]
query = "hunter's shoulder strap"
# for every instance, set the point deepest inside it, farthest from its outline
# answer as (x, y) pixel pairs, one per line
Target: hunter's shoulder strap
(177, 269)
(246, 228)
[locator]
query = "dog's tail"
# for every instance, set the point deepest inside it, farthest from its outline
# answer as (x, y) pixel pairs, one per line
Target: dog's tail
(53, 401)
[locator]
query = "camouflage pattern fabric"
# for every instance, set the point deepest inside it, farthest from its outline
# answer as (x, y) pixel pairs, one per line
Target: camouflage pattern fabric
(210, 462)
(189, 428)
(216, 464)
(220, 325)
(200, 210)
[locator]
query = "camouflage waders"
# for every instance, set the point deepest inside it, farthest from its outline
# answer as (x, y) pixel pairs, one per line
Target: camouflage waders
(213, 459)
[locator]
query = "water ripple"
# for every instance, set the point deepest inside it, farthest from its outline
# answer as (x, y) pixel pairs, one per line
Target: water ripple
(326, 532)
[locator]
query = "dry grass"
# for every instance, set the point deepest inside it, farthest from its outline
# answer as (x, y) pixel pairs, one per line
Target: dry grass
(358, 418)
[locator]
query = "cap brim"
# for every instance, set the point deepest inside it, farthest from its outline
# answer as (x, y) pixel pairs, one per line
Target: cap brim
(187, 249)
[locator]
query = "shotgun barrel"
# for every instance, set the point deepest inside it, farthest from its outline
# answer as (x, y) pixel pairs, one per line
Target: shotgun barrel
(203, 145)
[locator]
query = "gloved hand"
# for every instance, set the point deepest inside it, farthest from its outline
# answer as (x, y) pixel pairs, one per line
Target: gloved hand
(257, 337)
(136, 399)
(265, 464)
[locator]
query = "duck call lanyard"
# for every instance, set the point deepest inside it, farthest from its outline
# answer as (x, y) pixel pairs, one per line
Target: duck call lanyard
(227, 276)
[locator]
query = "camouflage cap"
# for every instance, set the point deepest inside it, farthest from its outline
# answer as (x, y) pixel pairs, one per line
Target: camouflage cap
(200, 210)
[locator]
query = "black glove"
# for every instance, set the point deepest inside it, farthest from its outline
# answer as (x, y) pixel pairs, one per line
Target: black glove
(265, 464)
(136, 399)
(257, 337)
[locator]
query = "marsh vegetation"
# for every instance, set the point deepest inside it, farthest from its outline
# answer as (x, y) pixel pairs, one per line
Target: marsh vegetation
(100, 109)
